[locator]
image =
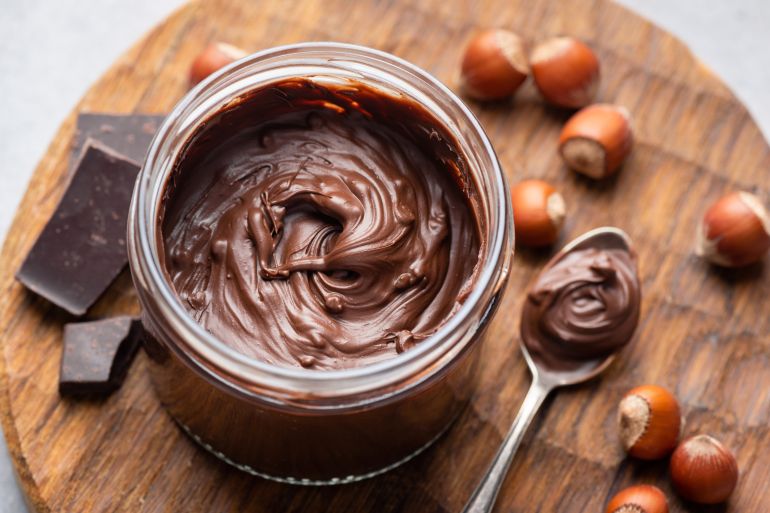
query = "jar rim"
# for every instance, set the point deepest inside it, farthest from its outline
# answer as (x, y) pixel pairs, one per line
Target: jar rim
(144, 250)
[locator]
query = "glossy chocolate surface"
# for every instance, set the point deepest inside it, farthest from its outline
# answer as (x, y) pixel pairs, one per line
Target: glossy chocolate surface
(325, 226)
(583, 306)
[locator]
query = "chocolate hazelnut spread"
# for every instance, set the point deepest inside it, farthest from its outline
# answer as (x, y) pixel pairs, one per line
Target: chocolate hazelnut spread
(320, 225)
(583, 306)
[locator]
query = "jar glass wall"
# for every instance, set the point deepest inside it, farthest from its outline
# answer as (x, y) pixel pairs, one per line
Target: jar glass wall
(300, 425)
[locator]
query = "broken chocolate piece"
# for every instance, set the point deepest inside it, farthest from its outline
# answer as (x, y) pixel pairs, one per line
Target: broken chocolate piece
(97, 355)
(127, 134)
(82, 249)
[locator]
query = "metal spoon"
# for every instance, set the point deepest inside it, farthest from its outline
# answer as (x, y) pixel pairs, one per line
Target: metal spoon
(544, 380)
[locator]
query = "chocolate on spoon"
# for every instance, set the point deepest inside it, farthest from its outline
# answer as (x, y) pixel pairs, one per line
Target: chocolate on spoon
(582, 309)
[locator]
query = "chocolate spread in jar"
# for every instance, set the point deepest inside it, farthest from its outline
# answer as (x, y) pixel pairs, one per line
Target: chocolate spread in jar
(582, 307)
(326, 226)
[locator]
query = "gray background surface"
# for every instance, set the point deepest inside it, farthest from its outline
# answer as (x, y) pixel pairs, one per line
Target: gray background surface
(52, 50)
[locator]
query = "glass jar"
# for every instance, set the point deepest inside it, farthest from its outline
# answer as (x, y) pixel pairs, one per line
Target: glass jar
(299, 425)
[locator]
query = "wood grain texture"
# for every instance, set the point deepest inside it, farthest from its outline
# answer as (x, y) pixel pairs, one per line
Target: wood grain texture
(704, 332)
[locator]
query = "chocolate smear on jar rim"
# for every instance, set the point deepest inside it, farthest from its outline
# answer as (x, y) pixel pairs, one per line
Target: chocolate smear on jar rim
(322, 226)
(584, 306)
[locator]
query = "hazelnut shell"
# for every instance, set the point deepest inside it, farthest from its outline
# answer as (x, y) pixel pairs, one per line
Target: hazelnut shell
(703, 470)
(596, 140)
(538, 212)
(212, 58)
(494, 65)
(638, 499)
(650, 422)
(735, 231)
(566, 71)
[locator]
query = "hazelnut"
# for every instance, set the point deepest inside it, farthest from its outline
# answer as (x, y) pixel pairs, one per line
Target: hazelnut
(213, 57)
(538, 212)
(494, 65)
(735, 231)
(638, 499)
(703, 470)
(650, 422)
(596, 140)
(566, 71)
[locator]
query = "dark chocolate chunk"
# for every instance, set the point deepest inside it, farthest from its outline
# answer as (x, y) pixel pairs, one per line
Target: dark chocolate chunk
(127, 134)
(83, 247)
(97, 355)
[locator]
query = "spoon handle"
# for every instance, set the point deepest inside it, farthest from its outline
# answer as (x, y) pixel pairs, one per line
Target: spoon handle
(483, 498)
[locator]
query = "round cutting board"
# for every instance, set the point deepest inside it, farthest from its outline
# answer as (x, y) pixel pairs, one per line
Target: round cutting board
(704, 331)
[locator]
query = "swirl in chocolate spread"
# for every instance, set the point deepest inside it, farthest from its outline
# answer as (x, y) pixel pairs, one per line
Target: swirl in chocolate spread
(322, 226)
(582, 307)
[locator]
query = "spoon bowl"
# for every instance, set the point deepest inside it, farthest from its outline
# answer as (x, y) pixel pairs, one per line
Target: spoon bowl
(544, 379)
(607, 237)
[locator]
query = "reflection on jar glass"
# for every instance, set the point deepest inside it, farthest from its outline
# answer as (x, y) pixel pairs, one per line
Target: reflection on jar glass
(412, 284)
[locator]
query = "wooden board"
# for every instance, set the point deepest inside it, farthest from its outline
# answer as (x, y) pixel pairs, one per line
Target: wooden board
(704, 332)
